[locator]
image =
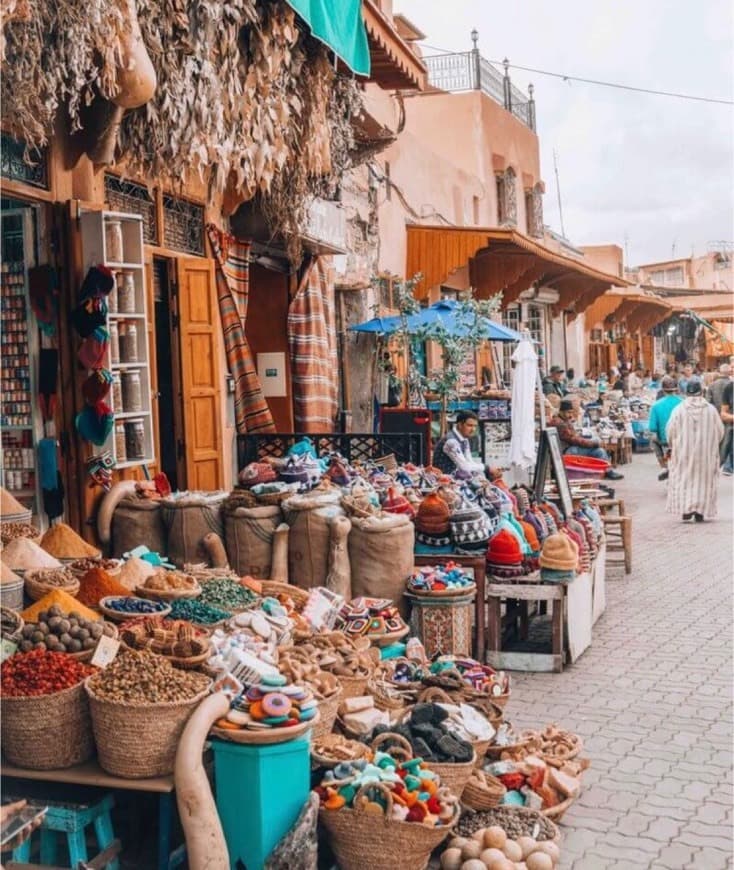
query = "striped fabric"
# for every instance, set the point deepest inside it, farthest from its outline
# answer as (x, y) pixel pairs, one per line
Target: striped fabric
(252, 413)
(312, 346)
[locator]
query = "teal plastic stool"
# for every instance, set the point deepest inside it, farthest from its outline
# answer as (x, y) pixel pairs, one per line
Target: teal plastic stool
(72, 820)
(260, 792)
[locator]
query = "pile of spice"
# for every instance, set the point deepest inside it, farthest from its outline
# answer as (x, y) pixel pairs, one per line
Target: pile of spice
(196, 611)
(63, 542)
(169, 581)
(9, 505)
(134, 572)
(40, 673)
(10, 531)
(144, 678)
(227, 594)
(22, 553)
(7, 575)
(97, 584)
(57, 597)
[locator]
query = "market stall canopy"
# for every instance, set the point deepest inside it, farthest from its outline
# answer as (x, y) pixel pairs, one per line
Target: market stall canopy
(636, 307)
(503, 261)
(712, 306)
(444, 314)
(340, 26)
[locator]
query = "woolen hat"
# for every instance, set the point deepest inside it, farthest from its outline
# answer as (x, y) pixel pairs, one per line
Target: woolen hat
(256, 472)
(433, 515)
(559, 553)
(532, 519)
(470, 528)
(530, 536)
(504, 549)
(396, 503)
(523, 499)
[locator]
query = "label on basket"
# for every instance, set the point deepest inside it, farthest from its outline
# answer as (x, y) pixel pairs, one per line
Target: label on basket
(7, 649)
(105, 652)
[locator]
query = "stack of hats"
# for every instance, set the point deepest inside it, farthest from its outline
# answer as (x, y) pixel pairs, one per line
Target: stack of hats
(591, 540)
(396, 503)
(432, 527)
(558, 559)
(531, 560)
(504, 555)
(470, 528)
(574, 527)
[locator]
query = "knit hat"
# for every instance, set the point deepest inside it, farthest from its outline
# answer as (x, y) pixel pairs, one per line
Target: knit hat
(432, 517)
(99, 281)
(580, 544)
(566, 405)
(530, 536)
(97, 386)
(559, 553)
(504, 550)
(88, 315)
(256, 472)
(549, 575)
(523, 500)
(396, 503)
(295, 472)
(470, 528)
(94, 423)
(338, 471)
(93, 349)
(532, 519)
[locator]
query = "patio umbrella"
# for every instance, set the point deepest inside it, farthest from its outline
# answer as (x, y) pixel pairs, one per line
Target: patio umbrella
(524, 379)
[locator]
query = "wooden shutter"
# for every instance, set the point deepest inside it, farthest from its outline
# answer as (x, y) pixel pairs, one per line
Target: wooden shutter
(201, 377)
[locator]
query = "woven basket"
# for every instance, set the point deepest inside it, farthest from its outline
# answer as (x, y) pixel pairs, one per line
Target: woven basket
(135, 741)
(387, 697)
(168, 594)
(111, 571)
(353, 687)
(11, 594)
(558, 810)
(12, 617)
(438, 696)
(362, 840)
(35, 588)
(8, 532)
(318, 760)
(328, 709)
(480, 796)
(273, 588)
(454, 776)
(47, 732)
(499, 816)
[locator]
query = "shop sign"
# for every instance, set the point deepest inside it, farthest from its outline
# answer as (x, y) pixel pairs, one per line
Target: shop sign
(326, 226)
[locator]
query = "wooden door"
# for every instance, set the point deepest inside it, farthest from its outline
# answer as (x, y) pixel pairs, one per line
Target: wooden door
(201, 377)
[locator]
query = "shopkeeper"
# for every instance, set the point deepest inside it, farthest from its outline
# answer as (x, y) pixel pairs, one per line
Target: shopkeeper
(452, 453)
(553, 384)
(573, 442)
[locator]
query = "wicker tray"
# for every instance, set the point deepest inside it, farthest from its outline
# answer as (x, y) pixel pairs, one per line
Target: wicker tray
(273, 588)
(167, 595)
(264, 738)
(478, 796)
(558, 810)
(118, 616)
(387, 639)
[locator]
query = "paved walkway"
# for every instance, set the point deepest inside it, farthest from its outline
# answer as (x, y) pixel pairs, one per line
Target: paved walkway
(652, 697)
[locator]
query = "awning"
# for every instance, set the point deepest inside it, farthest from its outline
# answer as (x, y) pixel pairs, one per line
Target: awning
(712, 306)
(638, 309)
(394, 64)
(340, 26)
(501, 261)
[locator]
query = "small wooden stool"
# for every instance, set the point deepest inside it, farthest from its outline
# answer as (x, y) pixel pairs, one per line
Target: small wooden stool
(625, 448)
(618, 530)
(608, 504)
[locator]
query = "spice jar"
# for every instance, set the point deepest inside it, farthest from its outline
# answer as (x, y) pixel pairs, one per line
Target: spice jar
(132, 393)
(126, 294)
(128, 342)
(117, 403)
(135, 439)
(113, 241)
(114, 342)
(112, 296)
(120, 442)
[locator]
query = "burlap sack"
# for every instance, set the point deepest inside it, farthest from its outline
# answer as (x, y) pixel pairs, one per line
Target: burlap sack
(188, 518)
(138, 521)
(309, 538)
(381, 557)
(248, 537)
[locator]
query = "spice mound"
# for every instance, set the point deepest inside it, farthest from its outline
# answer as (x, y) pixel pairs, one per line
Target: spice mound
(97, 584)
(65, 601)
(9, 505)
(63, 542)
(40, 673)
(227, 594)
(7, 575)
(144, 678)
(169, 581)
(22, 553)
(58, 632)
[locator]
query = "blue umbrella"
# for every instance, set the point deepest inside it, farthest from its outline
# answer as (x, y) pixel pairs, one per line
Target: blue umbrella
(379, 325)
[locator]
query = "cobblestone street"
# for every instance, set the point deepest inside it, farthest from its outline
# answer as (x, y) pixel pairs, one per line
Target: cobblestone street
(652, 696)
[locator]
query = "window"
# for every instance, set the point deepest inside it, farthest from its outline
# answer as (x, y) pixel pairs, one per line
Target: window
(506, 198)
(183, 225)
(19, 163)
(674, 277)
(475, 210)
(536, 323)
(125, 196)
(510, 318)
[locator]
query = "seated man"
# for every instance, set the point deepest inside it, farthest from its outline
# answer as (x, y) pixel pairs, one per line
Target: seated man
(553, 383)
(575, 444)
(452, 453)
(659, 415)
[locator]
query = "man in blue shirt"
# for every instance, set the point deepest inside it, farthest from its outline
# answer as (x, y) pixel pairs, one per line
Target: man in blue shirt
(659, 416)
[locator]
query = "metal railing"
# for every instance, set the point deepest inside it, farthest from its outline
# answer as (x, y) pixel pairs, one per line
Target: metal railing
(469, 71)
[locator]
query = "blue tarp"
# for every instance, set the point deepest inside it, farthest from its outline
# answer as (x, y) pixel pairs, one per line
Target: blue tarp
(340, 26)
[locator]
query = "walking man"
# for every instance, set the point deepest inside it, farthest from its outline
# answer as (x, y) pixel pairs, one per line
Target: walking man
(694, 433)
(727, 416)
(658, 422)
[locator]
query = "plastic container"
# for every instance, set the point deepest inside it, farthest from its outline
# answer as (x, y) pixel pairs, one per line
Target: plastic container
(260, 793)
(585, 467)
(120, 442)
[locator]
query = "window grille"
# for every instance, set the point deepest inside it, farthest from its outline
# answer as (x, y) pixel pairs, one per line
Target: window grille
(131, 198)
(20, 163)
(183, 225)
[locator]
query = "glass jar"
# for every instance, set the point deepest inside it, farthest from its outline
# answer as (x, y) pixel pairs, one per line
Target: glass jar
(120, 442)
(126, 294)
(117, 404)
(113, 241)
(114, 343)
(135, 439)
(132, 393)
(128, 342)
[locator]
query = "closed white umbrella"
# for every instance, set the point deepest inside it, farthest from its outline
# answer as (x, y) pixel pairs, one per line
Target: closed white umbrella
(524, 380)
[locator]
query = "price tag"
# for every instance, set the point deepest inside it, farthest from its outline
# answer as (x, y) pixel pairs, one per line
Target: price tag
(105, 652)
(7, 649)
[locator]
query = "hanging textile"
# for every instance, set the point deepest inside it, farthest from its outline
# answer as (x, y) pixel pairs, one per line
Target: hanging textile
(252, 413)
(312, 346)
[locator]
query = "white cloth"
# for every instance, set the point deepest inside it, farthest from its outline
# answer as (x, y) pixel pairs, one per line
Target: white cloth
(694, 432)
(524, 380)
(458, 449)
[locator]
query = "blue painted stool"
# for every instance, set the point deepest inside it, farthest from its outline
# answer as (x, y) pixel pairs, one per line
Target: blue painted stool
(72, 820)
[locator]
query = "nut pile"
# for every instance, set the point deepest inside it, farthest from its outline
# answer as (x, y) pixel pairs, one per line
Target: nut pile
(59, 633)
(10, 531)
(515, 823)
(227, 594)
(178, 638)
(81, 566)
(59, 577)
(144, 678)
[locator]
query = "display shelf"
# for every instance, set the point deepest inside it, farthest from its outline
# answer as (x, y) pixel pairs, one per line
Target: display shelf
(115, 239)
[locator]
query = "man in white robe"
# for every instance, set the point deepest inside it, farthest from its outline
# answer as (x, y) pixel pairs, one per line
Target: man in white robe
(694, 433)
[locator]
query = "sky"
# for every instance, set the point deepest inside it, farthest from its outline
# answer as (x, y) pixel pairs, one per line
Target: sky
(652, 174)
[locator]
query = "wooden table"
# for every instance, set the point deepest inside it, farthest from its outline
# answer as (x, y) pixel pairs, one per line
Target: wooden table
(478, 566)
(91, 774)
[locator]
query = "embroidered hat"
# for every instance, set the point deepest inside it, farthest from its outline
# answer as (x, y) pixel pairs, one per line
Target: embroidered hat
(523, 500)
(99, 281)
(93, 349)
(97, 386)
(94, 423)
(504, 550)
(559, 553)
(540, 530)
(470, 528)
(295, 471)
(396, 503)
(257, 472)
(432, 516)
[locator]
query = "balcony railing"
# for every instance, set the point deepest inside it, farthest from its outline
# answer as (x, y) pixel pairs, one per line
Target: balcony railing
(469, 71)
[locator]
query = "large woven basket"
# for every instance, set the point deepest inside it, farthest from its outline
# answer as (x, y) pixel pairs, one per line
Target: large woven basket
(435, 695)
(139, 740)
(454, 776)
(328, 709)
(556, 812)
(353, 687)
(363, 840)
(35, 587)
(478, 795)
(47, 732)
(273, 588)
